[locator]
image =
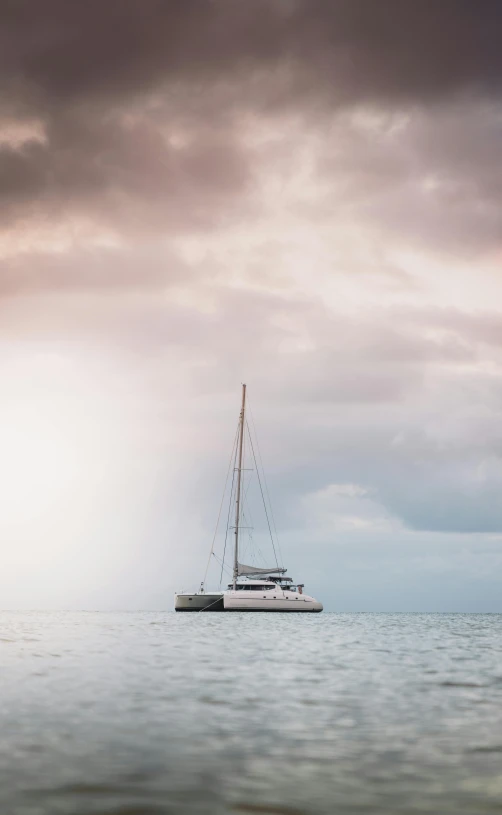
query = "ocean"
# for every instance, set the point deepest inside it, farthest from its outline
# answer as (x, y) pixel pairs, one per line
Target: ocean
(325, 714)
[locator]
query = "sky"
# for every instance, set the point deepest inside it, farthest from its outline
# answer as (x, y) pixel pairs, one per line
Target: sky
(303, 195)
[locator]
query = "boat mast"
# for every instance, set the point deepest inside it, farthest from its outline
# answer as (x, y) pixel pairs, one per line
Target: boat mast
(238, 499)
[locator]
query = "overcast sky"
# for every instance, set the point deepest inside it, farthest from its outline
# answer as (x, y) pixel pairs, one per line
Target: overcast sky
(304, 195)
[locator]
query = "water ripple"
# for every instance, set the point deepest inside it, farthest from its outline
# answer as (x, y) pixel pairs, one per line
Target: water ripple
(164, 714)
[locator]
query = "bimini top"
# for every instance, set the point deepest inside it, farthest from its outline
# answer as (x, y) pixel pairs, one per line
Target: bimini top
(243, 570)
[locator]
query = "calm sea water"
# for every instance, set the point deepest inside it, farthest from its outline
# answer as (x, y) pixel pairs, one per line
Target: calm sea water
(160, 713)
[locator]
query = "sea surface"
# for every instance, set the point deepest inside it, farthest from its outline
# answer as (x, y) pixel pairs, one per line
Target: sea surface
(328, 714)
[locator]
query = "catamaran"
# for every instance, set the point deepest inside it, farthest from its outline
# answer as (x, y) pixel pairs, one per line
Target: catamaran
(252, 588)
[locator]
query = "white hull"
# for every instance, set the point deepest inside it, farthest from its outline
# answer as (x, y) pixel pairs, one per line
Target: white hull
(248, 601)
(245, 601)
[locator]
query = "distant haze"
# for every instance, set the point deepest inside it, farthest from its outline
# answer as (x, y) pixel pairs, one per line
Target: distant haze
(305, 196)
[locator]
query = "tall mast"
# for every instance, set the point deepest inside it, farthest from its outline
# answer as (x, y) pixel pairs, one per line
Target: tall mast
(238, 499)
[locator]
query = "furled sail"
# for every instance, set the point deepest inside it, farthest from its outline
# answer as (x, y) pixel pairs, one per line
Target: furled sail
(250, 570)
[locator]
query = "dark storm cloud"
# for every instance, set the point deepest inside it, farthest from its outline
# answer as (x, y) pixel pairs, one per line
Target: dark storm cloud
(124, 175)
(68, 50)
(113, 82)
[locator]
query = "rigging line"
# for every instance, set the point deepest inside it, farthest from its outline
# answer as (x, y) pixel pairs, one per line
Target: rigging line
(252, 555)
(245, 494)
(221, 507)
(230, 503)
(253, 545)
(228, 571)
(249, 541)
(244, 486)
(246, 513)
(245, 557)
(265, 481)
(262, 495)
(266, 484)
(248, 520)
(205, 608)
(246, 509)
(261, 554)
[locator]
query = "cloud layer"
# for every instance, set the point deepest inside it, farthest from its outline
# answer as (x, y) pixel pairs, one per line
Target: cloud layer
(305, 195)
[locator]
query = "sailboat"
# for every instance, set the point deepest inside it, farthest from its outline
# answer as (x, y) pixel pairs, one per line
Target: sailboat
(252, 588)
